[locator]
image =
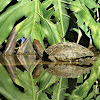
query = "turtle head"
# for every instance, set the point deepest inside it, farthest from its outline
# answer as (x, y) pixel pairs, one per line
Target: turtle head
(38, 47)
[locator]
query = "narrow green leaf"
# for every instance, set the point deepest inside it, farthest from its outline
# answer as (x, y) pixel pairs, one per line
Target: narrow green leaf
(90, 96)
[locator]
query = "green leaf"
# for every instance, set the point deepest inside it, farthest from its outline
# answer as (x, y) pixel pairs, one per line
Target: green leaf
(4, 3)
(98, 1)
(25, 80)
(42, 96)
(7, 88)
(12, 14)
(60, 89)
(26, 29)
(98, 97)
(90, 96)
(90, 3)
(80, 79)
(50, 30)
(46, 80)
(61, 14)
(82, 25)
(31, 25)
(58, 9)
(46, 9)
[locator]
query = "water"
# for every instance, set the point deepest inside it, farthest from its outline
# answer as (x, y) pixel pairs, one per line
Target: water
(29, 79)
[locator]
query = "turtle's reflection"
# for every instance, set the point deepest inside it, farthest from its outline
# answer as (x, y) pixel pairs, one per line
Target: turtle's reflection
(61, 69)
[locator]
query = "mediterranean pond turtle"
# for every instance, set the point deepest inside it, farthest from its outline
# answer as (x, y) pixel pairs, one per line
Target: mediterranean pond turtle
(65, 51)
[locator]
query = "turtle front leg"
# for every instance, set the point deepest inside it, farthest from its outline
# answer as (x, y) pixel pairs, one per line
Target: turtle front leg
(52, 58)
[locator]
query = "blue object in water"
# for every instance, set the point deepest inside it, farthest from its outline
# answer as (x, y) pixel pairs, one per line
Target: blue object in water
(22, 40)
(90, 36)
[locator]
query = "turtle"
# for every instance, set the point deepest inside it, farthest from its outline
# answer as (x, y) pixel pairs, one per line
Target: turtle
(64, 51)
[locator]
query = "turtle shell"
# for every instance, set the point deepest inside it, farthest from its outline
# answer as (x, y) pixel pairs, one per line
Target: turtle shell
(67, 50)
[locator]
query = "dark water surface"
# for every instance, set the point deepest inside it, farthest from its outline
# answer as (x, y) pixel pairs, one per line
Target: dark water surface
(22, 77)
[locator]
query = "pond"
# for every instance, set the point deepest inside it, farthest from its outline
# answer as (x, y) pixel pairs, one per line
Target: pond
(22, 77)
